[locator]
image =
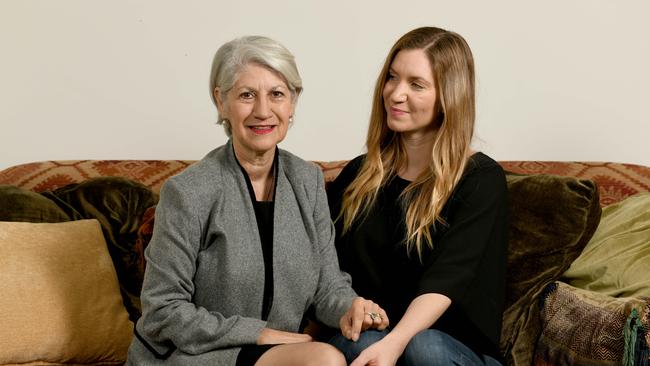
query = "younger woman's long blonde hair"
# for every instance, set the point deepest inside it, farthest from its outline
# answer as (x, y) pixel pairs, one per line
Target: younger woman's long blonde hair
(452, 65)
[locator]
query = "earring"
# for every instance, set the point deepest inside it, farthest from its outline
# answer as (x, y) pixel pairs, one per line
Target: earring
(291, 119)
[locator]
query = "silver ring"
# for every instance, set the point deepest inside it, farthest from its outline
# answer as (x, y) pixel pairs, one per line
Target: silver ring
(373, 316)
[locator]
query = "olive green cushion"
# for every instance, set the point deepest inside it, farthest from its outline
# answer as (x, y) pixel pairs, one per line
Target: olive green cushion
(616, 261)
(551, 220)
(17, 204)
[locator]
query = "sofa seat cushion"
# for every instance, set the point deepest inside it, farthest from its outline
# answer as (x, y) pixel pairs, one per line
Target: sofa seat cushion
(60, 300)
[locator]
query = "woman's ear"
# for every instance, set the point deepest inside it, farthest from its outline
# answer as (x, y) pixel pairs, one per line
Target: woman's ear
(218, 97)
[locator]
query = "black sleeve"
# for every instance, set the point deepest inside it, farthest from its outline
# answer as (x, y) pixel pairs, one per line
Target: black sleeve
(336, 188)
(474, 239)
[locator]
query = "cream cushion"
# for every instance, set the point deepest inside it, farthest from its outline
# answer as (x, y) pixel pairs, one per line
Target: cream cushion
(60, 301)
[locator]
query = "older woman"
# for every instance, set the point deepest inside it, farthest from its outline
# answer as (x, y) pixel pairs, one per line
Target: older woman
(422, 218)
(243, 242)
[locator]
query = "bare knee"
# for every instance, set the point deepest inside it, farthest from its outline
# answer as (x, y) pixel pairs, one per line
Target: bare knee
(326, 355)
(302, 354)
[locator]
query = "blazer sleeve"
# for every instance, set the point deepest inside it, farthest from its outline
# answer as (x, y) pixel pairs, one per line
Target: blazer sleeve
(334, 294)
(170, 319)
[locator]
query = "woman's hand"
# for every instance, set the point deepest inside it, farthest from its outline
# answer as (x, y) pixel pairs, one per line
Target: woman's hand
(363, 314)
(383, 353)
(274, 336)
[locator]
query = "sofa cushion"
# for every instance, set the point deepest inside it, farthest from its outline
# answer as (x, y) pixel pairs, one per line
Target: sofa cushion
(18, 204)
(551, 220)
(60, 298)
(119, 205)
(616, 261)
(583, 327)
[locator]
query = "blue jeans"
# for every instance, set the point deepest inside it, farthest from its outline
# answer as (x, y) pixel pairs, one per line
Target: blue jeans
(429, 347)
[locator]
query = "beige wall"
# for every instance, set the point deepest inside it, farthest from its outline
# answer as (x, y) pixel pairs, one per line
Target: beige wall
(85, 79)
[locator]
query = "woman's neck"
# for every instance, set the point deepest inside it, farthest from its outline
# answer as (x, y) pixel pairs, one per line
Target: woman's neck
(259, 167)
(418, 154)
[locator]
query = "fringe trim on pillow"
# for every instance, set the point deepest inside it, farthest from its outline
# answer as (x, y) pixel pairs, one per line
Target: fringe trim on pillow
(642, 349)
(632, 334)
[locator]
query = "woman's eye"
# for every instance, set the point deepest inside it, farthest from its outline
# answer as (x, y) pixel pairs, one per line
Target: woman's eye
(417, 86)
(277, 94)
(390, 76)
(247, 95)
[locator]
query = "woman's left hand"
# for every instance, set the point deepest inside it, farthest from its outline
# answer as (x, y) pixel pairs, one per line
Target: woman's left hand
(363, 314)
(382, 353)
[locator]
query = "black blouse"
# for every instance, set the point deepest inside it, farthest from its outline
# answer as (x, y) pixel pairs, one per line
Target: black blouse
(264, 216)
(467, 262)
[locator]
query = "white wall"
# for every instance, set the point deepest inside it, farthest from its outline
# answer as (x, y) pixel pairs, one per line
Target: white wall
(85, 79)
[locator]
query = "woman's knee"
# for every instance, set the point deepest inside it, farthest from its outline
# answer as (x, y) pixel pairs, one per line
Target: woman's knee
(301, 354)
(326, 355)
(433, 347)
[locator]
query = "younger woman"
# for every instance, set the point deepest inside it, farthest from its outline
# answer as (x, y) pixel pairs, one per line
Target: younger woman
(421, 218)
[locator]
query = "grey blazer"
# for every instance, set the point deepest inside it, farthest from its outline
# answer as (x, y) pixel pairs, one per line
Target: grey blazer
(204, 281)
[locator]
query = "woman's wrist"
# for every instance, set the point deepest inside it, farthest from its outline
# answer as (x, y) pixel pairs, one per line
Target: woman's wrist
(398, 339)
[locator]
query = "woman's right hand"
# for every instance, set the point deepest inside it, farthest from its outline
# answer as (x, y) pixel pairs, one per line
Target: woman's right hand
(361, 315)
(274, 336)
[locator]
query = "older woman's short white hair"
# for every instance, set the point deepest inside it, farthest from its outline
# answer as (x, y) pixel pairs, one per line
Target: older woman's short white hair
(233, 56)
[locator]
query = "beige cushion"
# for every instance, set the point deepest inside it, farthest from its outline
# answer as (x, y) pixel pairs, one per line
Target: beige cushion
(60, 299)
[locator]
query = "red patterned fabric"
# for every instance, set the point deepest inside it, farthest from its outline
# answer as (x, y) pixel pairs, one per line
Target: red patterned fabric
(615, 181)
(49, 175)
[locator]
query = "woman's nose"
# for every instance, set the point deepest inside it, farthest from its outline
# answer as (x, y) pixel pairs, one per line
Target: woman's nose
(398, 93)
(262, 109)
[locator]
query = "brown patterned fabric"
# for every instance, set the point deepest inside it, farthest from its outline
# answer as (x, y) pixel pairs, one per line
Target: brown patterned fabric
(145, 231)
(583, 327)
(615, 181)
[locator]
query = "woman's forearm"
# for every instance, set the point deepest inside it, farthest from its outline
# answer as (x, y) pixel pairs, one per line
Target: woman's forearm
(423, 311)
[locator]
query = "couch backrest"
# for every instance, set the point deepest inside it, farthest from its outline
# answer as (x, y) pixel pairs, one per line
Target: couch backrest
(615, 180)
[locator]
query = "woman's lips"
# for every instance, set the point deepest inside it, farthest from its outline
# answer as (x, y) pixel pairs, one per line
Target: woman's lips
(396, 112)
(262, 130)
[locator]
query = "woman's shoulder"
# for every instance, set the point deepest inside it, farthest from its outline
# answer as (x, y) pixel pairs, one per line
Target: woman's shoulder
(482, 173)
(202, 177)
(480, 164)
(351, 169)
(295, 166)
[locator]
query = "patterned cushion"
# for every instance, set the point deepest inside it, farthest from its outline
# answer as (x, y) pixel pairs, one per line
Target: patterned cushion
(583, 327)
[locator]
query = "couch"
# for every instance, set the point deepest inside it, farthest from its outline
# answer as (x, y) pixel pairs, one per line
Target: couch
(72, 260)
